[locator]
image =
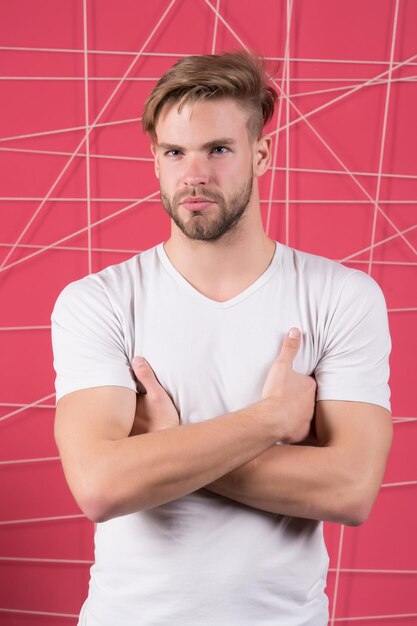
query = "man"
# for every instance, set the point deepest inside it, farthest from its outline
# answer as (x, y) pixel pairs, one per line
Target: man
(207, 512)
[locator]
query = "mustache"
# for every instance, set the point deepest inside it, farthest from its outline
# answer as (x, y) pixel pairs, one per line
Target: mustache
(211, 196)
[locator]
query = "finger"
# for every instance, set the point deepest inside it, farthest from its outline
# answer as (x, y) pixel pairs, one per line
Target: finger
(143, 371)
(290, 346)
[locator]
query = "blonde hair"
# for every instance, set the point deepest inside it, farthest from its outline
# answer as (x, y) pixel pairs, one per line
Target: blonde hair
(238, 75)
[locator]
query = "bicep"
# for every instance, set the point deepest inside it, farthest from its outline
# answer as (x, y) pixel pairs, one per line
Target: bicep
(360, 434)
(354, 364)
(85, 421)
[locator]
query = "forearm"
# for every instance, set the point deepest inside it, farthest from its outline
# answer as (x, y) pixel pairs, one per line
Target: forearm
(300, 481)
(145, 471)
(336, 481)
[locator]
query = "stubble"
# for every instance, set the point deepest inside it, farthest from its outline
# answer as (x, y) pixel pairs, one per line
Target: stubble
(215, 222)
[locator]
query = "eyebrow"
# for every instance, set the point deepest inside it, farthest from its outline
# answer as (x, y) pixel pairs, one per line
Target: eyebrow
(223, 141)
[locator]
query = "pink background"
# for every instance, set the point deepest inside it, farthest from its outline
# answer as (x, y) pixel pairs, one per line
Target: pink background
(78, 193)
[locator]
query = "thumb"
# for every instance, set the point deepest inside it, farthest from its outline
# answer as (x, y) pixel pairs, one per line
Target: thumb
(290, 346)
(143, 371)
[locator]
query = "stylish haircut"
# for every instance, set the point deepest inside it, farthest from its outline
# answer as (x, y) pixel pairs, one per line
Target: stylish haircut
(239, 75)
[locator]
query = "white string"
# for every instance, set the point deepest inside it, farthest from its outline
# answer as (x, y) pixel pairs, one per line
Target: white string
(25, 327)
(287, 130)
(406, 263)
(37, 520)
(44, 133)
(137, 251)
(371, 617)
(316, 92)
(186, 54)
(80, 78)
(396, 420)
(262, 201)
(48, 613)
(87, 137)
(149, 159)
(38, 406)
(312, 170)
(37, 560)
(25, 407)
(345, 570)
(286, 169)
(404, 483)
(151, 79)
(110, 52)
(81, 230)
(383, 134)
(367, 83)
(216, 22)
(40, 460)
(79, 155)
(63, 199)
(356, 181)
(402, 420)
(318, 135)
(93, 125)
(276, 143)
(336, 584)
(378, 243)
(83, 249)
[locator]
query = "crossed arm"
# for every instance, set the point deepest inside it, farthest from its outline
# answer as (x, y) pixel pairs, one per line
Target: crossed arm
(118, 460)
(336, 481)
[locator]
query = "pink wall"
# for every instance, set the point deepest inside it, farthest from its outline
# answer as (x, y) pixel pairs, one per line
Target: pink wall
(343, 185)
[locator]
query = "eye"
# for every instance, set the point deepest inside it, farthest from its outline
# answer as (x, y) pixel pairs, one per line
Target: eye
(172, 153)
(220, 149)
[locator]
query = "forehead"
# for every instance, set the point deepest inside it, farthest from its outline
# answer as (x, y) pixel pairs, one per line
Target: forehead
(202, 121)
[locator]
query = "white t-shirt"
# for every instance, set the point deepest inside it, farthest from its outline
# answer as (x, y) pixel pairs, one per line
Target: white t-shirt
(206, 560)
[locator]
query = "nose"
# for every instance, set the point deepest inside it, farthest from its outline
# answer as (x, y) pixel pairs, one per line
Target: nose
(196, 172)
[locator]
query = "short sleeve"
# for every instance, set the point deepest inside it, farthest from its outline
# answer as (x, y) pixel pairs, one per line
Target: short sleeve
(87, 340)
(355, 361)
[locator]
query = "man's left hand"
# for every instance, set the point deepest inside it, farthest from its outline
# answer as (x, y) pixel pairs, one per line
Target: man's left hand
(154, 408)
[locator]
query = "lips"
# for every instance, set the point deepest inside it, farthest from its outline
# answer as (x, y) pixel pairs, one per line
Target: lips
(198, 203)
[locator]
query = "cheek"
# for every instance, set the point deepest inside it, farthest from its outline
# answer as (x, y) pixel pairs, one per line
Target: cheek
(167, 175)
(227, 170)
(161, 175)
(167, 184)
(234, 171)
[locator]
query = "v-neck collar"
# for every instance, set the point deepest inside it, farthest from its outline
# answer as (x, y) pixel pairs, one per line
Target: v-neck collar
(179, 278)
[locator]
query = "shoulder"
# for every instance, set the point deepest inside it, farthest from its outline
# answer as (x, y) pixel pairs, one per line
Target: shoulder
(322, 274)
(314, 266)
(113, 284)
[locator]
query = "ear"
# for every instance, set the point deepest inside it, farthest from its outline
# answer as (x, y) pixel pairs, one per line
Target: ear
(155, 154)
(262, 154)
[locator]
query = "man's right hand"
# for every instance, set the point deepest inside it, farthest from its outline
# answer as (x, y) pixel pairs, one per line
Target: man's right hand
(289, 396)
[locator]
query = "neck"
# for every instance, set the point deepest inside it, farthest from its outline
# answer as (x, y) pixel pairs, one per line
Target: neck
(223, 268)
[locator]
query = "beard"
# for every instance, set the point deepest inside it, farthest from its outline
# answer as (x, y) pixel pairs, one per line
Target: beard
(201, 227)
